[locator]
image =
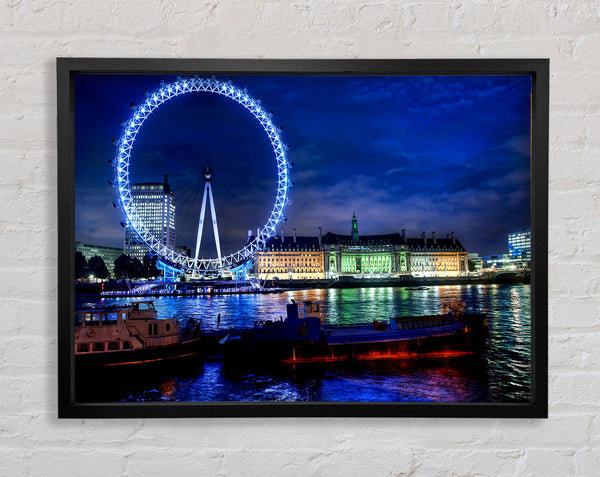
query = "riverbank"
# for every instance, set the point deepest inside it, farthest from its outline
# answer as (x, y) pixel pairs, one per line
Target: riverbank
(276, 286)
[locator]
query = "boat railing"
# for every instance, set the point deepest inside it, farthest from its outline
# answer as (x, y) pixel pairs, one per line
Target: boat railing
(160, 341)
(400, 323)
(139, 338)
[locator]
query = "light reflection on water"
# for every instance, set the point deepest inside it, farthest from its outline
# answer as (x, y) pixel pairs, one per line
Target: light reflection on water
(503, 374)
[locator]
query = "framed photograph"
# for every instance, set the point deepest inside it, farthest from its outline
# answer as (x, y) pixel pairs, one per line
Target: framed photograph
(302, 237)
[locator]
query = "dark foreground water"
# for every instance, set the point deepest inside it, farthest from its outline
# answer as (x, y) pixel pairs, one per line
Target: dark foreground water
(502, 374)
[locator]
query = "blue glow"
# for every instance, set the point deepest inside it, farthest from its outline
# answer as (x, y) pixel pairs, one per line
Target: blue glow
(122, 168)
(421, 153)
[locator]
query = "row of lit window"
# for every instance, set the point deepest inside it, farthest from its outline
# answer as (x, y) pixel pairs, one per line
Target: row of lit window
(290, 254)
(286, 259)
(285, 269)
(367, 259)
(433, 269)
(435, 259)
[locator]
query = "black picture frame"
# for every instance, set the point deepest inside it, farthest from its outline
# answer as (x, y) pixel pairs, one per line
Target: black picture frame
(67, 68)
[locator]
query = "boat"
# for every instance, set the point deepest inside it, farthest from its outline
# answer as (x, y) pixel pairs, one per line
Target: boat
(417, 288)
(132, 334)
(305, 339)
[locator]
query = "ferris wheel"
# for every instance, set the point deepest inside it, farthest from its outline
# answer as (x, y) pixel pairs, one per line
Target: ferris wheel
(124, 145)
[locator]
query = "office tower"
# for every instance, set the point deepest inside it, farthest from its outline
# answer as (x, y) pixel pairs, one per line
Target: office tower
(155, 205)
(519, 245)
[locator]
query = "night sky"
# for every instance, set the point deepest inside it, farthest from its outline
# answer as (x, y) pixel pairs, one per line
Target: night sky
(443, 153)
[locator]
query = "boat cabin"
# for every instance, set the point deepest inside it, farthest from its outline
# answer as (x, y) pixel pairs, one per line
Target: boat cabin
(143, 310)
(124, 328)
(102, 331)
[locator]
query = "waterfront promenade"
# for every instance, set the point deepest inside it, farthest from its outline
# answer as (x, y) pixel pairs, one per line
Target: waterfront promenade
(200, 287)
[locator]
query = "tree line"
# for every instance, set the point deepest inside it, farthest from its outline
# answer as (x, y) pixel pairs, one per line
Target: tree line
(123, 267)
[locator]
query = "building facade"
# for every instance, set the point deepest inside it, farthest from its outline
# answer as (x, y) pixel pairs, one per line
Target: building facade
(367, 256)
(370, 255)
(519, 246)
(496, 262)
(155, 204)
(380, 256)
(476, 262)
(437, 257)
(108, 254)
(294, 258)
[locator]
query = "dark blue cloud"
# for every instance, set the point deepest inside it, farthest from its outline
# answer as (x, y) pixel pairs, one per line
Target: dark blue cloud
(445, 153)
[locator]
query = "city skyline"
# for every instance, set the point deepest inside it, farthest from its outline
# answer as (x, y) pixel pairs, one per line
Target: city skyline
(416, 153)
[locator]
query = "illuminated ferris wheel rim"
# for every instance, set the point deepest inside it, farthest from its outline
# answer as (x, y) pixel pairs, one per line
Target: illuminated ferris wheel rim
(132, 126)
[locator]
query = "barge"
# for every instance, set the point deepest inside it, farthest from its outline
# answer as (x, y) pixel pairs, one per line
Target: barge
(132, 335)
(304, 339)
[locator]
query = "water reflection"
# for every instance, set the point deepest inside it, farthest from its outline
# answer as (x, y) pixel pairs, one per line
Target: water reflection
(502, 374)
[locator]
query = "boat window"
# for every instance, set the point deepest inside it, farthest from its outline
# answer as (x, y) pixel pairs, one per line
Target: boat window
(127, 345)
(110, 318)
(113, 346)
(83, 348)
(98, 346)
(168, 326)
(91, 319)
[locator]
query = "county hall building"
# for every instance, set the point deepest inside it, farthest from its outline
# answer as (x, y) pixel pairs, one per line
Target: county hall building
(368, 256)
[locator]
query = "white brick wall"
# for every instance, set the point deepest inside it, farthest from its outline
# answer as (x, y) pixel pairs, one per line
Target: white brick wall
(33, 442)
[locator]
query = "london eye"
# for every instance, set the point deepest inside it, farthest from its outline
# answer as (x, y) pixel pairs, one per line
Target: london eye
(153, 100)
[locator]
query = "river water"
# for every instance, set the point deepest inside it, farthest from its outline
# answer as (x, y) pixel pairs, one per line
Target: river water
(502, 374)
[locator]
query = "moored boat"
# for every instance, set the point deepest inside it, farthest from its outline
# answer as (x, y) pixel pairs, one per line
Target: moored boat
(130, 335)
(304, 339)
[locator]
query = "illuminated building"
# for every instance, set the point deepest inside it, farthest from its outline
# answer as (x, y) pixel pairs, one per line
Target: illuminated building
(108, 254)
(496, 262)
(476, 262)
(290, 258)
(379, 256)
(366, 256)
(435, 257)
(155, 204)
(519, 245)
